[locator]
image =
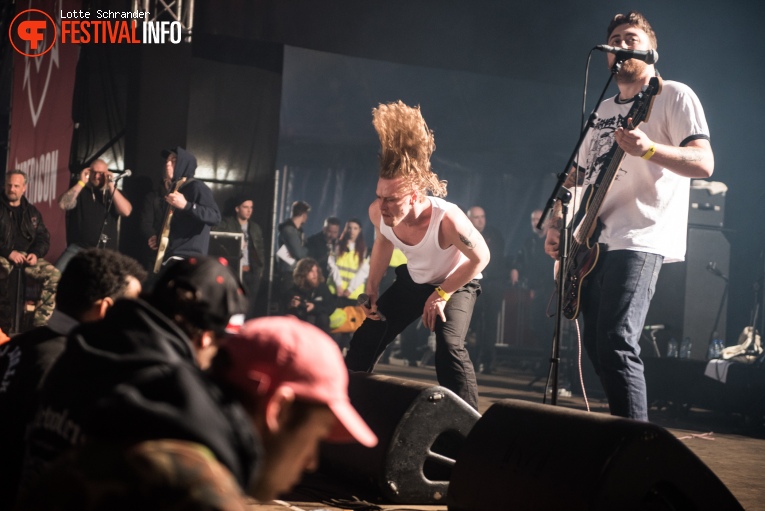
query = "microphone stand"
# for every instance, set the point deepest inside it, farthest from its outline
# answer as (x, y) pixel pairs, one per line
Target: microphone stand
(565, 197)
(102, 237)
(751, 348)
(712, 267)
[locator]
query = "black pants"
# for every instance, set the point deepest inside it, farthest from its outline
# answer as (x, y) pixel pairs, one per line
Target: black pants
(484, 324)
(251, 284)
(401, 304)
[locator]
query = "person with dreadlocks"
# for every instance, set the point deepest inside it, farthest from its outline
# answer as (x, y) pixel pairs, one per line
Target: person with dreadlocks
(445, 255)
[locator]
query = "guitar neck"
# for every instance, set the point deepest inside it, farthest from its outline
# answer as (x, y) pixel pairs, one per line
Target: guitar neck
(638, 114)
(164, 236)
(599, 195)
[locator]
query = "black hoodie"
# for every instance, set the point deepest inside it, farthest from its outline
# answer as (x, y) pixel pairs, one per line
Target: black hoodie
(190, 227)
(133, 377)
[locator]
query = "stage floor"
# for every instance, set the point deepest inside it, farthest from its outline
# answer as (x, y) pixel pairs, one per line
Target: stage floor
(732, 446)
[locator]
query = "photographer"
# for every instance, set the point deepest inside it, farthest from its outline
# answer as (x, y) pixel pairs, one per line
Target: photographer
(309, 298)
(87, 206)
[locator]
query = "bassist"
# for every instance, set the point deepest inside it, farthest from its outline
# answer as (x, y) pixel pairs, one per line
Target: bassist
(643, 217)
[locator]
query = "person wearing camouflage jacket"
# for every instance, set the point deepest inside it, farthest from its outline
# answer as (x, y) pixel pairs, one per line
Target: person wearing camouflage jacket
(24, 241)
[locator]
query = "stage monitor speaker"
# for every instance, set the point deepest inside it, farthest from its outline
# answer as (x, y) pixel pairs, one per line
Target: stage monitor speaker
(529, 456)
(420, 428)
(689, 297)
(228, 245)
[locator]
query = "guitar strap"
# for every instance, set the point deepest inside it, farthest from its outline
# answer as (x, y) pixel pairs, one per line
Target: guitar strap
(582, 211)
(188, 180)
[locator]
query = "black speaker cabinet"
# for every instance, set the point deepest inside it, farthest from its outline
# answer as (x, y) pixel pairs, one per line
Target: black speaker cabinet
(420, 428)
(689, 297)
(707, 203)
(533, 457)
(228, 245)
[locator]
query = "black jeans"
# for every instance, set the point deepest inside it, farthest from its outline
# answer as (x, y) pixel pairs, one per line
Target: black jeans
(401, 304)
(251, 284)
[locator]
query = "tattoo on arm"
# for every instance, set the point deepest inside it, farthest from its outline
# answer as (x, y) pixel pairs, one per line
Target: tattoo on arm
(466, 240)
(691, 154)
(69, 199)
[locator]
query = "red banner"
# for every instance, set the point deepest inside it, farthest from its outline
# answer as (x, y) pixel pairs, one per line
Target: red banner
(41, 120)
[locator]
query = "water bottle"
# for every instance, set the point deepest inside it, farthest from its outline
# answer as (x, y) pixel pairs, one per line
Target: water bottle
(672, 348)
(715, 348)
(432, 341)
(719, 347)
(712, 349)
(685, 348)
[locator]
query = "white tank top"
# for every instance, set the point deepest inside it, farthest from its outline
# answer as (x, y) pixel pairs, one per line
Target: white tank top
(426, 261)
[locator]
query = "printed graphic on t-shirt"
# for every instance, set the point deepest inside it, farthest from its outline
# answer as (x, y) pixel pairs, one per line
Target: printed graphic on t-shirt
(599, 150)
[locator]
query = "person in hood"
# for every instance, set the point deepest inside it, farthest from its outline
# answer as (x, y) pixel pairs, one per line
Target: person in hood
(24, 241)
(291, 380)
(195, 210)
(137, 375)
(92, 281)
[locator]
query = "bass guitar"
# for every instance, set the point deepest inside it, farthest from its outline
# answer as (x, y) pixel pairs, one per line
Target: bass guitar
(164, 237)
(584, 250)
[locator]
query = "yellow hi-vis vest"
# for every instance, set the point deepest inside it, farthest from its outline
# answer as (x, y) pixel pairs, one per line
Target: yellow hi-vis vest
(347, 264)
(397, 258)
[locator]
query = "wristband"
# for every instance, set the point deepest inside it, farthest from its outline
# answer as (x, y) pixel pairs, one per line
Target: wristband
(81, 183)
(650, 152)
(443, 294)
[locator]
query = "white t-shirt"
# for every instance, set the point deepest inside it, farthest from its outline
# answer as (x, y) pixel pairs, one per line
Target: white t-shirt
(646, 208)
(426, 261)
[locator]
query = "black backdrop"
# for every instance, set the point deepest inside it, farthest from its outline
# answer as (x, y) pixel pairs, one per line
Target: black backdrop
(290, 83)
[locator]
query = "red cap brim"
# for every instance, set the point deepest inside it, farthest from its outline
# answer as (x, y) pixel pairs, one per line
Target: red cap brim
(351, 427)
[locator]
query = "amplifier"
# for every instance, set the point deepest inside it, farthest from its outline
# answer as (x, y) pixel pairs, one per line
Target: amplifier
(707, 204)
(228, 245)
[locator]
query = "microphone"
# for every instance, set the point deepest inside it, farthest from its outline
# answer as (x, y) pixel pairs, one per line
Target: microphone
(363, 299)
(647, 56)
(654, 328)
(127, 173)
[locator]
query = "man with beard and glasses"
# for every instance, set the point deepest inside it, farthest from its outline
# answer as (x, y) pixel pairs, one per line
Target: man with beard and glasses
(644, 215)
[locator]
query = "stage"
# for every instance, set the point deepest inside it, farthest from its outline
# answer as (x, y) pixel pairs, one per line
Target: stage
(730, 444)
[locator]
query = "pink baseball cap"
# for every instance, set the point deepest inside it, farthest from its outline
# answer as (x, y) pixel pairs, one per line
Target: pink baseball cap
(277, 351)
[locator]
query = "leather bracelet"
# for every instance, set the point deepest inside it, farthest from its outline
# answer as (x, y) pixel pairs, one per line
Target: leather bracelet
(650, 152)
(443, 294)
